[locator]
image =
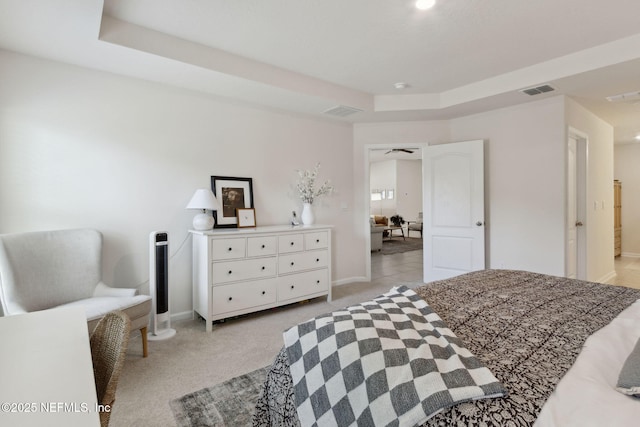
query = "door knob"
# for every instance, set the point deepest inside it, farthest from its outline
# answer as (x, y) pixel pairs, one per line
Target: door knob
(479, 223)
(579, 224)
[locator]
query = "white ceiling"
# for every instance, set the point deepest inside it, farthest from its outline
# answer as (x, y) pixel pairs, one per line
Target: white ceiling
(306, 56)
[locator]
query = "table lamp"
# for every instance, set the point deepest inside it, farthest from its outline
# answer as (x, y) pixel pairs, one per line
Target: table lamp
(203, 199)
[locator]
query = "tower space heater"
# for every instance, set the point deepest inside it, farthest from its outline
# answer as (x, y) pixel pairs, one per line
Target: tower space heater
(160, 328)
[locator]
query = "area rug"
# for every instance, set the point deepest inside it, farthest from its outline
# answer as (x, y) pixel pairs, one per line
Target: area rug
(397, 245)
(228, 404)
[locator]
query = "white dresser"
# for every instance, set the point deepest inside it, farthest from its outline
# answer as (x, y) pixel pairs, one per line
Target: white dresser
(242, 270)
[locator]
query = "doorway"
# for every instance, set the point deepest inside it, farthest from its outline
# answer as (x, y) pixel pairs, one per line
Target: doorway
(388, 167)
(455, 185)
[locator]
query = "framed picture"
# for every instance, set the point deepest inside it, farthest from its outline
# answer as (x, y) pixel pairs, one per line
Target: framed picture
(246, 217)
(232, 193)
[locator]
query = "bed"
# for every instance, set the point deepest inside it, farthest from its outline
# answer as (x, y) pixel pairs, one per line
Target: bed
(527, 329)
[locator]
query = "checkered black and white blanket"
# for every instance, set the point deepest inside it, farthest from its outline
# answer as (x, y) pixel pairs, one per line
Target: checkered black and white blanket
(389, 361)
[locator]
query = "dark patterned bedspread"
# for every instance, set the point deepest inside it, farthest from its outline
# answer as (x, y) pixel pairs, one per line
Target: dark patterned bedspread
(528, 328)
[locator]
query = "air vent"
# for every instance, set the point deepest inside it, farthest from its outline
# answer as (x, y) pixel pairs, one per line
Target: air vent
(625, 97)
(538, 90)
(342, 111)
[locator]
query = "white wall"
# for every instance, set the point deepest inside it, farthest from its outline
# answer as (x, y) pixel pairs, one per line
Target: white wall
(409, 191)
(404, 177)
(80, 148)
(383, 177)
(524, 181)
(626, 169)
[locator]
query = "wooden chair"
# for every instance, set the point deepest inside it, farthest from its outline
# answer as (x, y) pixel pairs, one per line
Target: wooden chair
(109, 342)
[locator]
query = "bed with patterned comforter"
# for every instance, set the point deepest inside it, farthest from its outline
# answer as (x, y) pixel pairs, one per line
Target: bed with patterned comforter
(526, 328)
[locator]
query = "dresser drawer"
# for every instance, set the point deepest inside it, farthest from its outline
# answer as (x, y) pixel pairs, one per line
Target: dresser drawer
(231, 271)
(297, 285)
(262, 246)
(319, 240)
(290, 243)
(228, 248)
(293, 263)
(241, 296)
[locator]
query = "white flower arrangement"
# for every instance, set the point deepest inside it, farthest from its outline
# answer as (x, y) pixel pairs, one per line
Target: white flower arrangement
(307, 183)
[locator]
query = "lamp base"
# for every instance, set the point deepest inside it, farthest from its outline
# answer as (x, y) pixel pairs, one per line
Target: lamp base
(202, 222)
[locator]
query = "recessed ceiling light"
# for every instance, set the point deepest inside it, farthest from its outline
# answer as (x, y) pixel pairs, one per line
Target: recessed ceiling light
(401, 85)
(425, 4)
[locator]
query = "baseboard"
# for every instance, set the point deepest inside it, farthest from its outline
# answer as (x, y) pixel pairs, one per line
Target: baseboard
(608, 277)
(350, 280)
(630, 255)
(185, 315)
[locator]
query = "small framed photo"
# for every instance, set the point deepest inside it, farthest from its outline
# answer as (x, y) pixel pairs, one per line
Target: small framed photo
(246, 217)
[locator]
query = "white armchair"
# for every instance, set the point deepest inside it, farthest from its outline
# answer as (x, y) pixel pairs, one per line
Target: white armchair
(376, 235)
(47, 269)
(415, 225)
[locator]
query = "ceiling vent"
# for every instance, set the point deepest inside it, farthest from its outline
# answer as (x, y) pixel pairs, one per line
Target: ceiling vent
(538, 90)
(625, 97)
(342, 111)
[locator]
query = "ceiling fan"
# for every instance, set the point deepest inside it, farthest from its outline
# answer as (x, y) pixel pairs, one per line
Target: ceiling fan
(398, 150)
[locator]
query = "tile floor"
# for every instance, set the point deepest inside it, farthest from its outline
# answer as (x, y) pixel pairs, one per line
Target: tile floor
(406, 266)
(627, 272)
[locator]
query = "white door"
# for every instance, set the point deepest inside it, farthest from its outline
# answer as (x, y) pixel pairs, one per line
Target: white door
(575, 255)
(454, 209)
(572, 210)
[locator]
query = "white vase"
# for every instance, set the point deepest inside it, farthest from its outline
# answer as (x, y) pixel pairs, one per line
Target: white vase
(307, 214)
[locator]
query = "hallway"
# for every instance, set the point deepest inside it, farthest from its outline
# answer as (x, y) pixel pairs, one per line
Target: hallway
(628, 272)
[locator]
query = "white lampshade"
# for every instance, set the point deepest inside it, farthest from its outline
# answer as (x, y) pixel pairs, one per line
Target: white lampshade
(203, 199)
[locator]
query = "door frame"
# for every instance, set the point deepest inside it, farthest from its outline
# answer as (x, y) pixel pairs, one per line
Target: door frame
(582, 172)
(367, 193)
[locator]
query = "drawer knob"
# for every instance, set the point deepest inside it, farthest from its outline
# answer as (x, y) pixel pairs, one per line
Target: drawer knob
(263, 267)
(292, 263)
(264, 292)
(292, 286)
(317, 240)
(230, 271)
(230, 298)
(292, 243)
(317, 259)
(263, 246)
(230, 249)
(318, 282)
